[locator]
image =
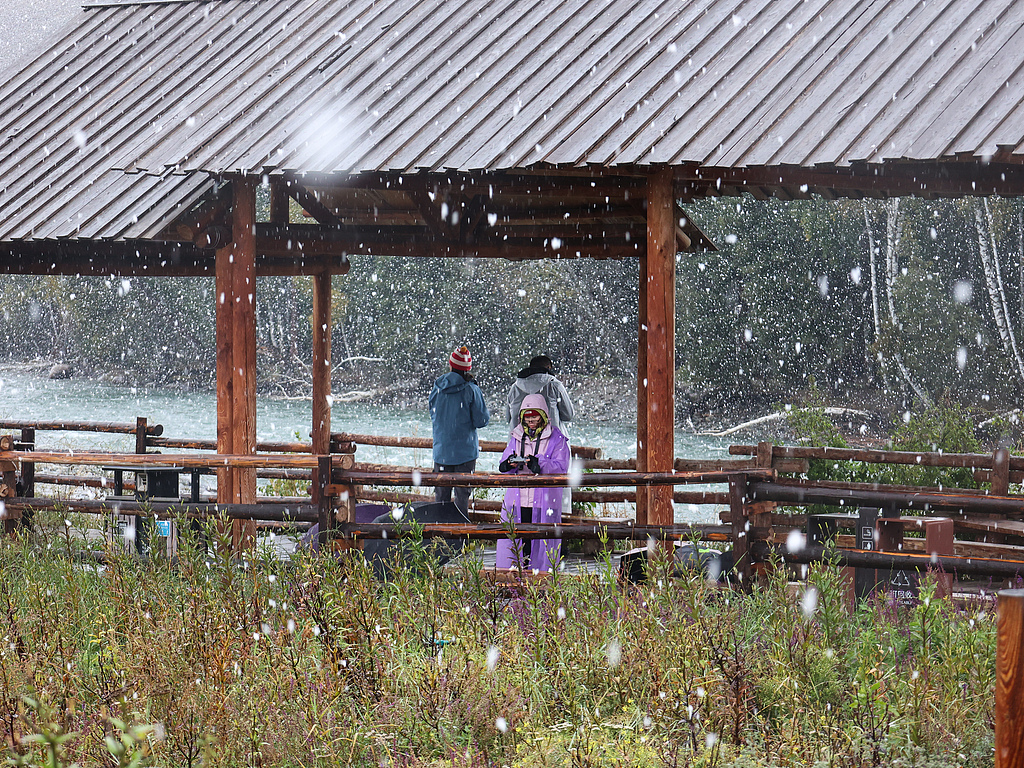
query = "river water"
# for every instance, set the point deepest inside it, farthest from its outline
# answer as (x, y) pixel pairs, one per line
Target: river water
(30, 397)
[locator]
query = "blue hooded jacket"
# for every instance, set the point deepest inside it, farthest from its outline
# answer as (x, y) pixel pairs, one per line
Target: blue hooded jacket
(457, 411)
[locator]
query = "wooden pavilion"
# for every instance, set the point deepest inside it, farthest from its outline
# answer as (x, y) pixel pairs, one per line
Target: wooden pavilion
(518, 129)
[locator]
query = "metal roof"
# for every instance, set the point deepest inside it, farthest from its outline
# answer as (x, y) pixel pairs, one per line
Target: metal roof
(119, 127)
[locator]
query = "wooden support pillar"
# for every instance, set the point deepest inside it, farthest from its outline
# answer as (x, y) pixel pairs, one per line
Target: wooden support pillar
(1009, 714)
(236, 355)
(321, 434)
(656, 355)
(225, 380)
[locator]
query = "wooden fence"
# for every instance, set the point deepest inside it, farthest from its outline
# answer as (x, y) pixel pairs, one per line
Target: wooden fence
(761, 479)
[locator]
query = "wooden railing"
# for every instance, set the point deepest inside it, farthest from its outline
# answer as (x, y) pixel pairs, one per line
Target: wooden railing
(754, 479)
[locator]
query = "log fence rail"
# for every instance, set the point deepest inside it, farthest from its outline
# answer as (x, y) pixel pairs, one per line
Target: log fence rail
(754, 487)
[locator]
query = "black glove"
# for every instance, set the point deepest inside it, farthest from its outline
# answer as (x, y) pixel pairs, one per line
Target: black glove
(511, 464)
(533, 465)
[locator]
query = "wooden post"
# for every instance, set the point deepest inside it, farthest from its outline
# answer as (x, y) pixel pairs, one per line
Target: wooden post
(1009, 714)
(8, 489)
(28, 468)
(321, 434)
(739, 518)
(760, 512)
(1000, 472)
(325, 504)
(140, 434)
(656, 373)
(236, 355)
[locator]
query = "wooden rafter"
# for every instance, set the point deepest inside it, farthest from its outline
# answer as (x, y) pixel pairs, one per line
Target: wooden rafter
(311, 204)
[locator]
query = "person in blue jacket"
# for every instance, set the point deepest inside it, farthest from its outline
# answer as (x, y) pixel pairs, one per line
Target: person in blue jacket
(457, 411)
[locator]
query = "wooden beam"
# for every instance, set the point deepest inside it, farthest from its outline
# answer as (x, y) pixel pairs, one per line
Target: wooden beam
(321, 434)
(430, 211)
(612, 183)
(950, 178)
(340, 242)
(294, 264)
(311, 204)
(658, 315)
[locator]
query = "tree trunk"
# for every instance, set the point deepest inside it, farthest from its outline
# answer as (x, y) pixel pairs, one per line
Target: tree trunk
(893, 237)
(993, 283)
(876, 316)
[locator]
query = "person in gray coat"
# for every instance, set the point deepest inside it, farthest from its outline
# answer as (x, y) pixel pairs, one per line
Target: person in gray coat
(539, 378)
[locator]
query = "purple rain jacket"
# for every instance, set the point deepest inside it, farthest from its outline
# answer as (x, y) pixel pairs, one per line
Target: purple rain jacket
(547, 502)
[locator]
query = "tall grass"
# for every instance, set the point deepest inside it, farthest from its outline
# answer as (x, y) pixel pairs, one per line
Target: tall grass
(209, 661)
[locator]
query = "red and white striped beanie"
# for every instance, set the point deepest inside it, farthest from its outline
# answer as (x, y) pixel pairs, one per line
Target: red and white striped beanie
(461, 360)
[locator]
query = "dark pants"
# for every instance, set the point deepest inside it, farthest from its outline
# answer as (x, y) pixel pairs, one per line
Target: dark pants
(461, 494)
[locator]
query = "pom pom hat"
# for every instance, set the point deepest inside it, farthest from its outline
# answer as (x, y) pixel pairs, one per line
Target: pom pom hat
(461, 360)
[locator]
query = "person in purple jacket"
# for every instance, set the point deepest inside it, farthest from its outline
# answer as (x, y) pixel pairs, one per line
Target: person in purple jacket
(535, 447)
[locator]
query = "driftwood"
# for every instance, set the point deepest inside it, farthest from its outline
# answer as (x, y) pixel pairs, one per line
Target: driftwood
(843, 412)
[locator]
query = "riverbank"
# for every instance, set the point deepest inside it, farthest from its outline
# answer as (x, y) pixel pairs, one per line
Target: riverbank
(864, 417)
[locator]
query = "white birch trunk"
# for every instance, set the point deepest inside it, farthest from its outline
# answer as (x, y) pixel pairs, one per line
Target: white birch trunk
(893, 236)
(876, 315)
(1020, 266)
(1004, 302)
(993, 283)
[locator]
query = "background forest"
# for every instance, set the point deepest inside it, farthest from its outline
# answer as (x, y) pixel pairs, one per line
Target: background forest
(905, 300)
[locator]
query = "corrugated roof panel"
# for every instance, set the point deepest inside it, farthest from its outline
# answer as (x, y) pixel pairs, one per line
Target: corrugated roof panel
(985, 91)
(345, 86)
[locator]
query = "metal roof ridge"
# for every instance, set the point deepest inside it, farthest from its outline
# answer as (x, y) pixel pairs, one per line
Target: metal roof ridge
(86, 5)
